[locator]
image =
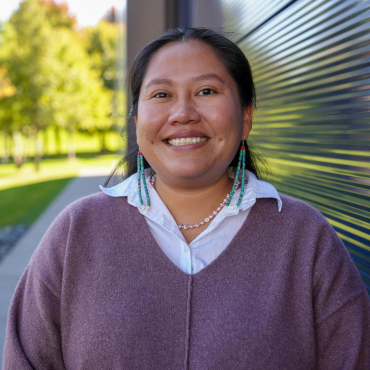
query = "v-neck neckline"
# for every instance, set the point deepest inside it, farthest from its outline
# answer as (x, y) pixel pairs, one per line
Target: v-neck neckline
(157, 249)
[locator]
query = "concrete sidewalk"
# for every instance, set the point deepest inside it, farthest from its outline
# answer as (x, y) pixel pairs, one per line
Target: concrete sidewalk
(15, 262)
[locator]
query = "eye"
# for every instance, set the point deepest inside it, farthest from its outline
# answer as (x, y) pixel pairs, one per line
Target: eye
(160, 95)
(207, 92)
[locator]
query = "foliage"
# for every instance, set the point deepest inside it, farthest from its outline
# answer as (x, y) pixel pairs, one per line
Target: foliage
(78, 98)
(101, 45)
(25, 41)
(54, 75)
(104, 46)
(7, 89)
(57, 14)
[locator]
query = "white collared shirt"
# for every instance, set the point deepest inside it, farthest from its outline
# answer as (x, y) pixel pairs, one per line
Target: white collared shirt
(207, 246)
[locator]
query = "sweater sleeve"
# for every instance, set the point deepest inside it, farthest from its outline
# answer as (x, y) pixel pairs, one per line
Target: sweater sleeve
(33, 329)
(342, 308)
(33, 334)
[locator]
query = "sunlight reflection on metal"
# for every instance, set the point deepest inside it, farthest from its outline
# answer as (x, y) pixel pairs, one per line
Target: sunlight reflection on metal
(312, 71)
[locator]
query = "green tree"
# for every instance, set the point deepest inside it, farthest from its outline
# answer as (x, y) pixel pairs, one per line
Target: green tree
(7, 90)
(102, 45)
(25, 44)
(55, 81)
(57, 14)
(80, 100)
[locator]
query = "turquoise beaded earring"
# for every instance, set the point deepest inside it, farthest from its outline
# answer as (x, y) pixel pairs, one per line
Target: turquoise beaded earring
(141, 178)
(241, 167)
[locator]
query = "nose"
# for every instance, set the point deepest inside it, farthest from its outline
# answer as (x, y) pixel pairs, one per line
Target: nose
(183, 112)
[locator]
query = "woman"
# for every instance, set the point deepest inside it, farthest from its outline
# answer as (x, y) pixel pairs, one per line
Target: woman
(192, 263)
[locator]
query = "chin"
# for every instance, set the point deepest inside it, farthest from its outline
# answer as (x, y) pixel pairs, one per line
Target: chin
(187, 174)
(205, 173)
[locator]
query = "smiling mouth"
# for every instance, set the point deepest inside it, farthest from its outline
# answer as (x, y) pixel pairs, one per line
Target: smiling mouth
(186, 141)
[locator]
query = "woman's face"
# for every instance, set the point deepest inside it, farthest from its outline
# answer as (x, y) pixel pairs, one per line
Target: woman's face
(190, 121)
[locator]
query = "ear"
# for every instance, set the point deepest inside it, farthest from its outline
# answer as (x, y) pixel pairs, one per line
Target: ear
(247, 121)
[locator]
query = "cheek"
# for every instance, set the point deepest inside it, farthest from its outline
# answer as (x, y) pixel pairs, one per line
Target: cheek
(148, 124)
(145, 134)
(227, 122)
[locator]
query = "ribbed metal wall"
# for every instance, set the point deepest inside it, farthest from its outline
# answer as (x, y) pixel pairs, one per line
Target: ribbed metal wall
(311, 64)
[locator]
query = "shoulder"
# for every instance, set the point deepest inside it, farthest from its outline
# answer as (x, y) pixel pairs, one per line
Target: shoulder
(297, 209)
(95, 203)
(309, 236)
(84, 221)
(293, 212)
(307, 222)
(93, 209)
(302, 227)
(314, 234)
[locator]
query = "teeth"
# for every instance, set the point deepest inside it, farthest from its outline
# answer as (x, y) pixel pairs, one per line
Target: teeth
(186, 141)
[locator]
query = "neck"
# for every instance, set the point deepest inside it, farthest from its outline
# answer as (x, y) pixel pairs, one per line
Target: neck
(189, 206)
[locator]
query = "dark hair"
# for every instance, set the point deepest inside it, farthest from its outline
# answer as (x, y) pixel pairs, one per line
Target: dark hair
(233, 59)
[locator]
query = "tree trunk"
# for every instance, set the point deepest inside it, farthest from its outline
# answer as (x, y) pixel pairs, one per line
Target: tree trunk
(5, 157)
(18, 149)
(38, 149)
(45, 150)
(58, 144)
(103, 147)
(71, 146)
(26, 146)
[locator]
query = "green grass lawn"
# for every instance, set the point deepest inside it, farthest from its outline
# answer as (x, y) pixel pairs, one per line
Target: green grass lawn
(54, 169)
(25, 194)
(24, 204)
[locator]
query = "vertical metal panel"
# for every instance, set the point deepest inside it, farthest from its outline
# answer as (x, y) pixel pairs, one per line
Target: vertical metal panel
(243, 16)
(311, 64)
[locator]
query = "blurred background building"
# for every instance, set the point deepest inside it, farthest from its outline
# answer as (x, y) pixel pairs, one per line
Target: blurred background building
(311, 65)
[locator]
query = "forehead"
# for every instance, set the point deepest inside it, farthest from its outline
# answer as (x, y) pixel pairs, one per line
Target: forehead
(178, 60)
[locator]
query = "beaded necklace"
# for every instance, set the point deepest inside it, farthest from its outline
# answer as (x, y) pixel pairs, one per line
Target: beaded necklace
(212, 215)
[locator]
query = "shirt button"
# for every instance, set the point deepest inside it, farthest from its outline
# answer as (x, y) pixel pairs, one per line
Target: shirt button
(186, 248)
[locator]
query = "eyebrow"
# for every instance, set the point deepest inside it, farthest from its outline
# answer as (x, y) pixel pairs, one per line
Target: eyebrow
(168, 81)
(209, 76)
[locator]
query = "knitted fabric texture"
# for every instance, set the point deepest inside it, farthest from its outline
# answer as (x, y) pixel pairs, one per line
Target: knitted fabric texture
(99, 293)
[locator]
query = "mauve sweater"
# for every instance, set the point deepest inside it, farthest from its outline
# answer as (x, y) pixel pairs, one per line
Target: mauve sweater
(100, 294)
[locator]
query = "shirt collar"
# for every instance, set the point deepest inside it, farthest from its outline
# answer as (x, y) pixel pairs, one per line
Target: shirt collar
(254, 189)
